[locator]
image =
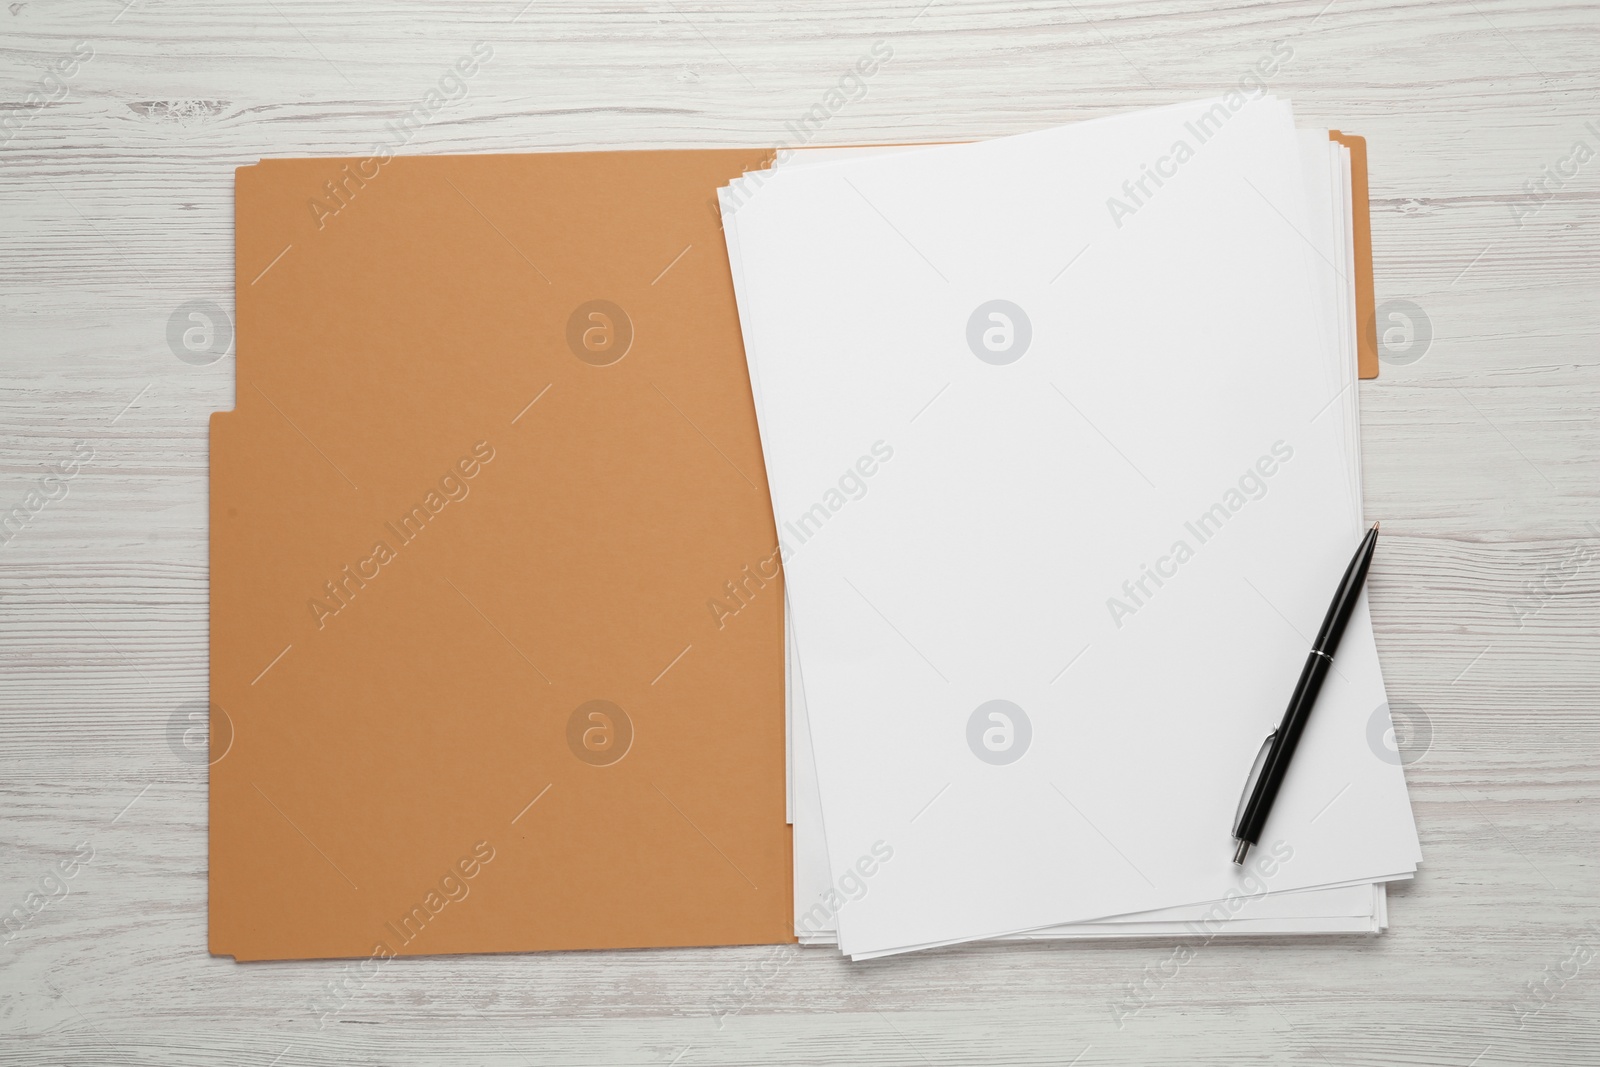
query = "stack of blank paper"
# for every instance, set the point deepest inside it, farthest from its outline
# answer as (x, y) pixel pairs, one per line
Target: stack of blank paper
(1061, 436)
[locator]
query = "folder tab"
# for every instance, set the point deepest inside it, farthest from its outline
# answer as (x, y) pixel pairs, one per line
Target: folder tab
(1361, 215)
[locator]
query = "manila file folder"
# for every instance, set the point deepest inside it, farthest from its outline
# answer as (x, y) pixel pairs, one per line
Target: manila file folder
(493, 457)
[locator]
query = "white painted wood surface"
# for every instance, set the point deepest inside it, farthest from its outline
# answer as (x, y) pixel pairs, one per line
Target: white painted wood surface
(115, 209)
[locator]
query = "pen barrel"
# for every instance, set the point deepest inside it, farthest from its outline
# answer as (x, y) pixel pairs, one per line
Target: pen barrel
(1346, 596)
(1283, 746)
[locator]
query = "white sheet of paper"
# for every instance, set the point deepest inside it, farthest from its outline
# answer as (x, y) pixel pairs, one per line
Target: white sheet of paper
(1323, 910)
(1005, 574)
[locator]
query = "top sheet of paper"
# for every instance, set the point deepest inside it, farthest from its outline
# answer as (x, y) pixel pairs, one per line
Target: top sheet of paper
(1059, 517)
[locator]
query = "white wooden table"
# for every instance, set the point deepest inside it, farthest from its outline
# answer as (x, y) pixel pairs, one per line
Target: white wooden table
(116, 210)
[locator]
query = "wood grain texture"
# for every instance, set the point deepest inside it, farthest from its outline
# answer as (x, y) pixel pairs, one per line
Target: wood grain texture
(116, 208)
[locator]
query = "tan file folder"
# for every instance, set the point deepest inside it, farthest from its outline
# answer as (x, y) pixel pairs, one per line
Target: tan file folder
(494, 454)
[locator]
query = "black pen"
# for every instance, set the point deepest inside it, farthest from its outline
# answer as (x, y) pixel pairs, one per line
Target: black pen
(1261, 787)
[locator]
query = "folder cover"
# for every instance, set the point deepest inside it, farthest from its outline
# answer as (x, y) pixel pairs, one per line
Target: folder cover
(493, 460)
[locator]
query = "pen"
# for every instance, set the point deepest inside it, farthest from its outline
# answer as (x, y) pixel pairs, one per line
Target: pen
(1261, 787)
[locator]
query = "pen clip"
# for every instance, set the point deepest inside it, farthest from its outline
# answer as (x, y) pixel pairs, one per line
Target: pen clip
(1251, 779)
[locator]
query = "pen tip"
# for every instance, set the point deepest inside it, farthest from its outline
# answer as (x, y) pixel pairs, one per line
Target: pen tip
(1239, 853)
(1375, 525)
